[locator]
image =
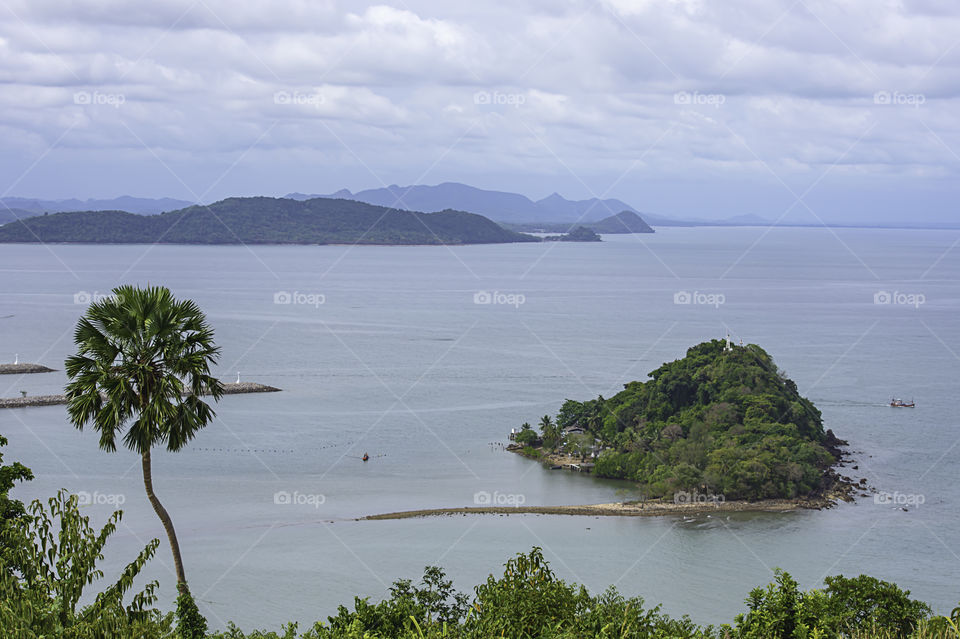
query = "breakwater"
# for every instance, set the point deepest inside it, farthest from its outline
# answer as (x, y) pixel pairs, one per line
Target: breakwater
(22, 369)
(60, 400)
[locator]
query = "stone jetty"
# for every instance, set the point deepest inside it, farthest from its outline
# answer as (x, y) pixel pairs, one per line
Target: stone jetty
(59, 400)
(23, 368)
(239, 388)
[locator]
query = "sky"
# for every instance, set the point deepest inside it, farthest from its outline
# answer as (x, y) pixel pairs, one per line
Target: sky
(803, 111)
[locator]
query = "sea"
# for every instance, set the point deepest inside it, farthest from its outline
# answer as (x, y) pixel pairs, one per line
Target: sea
(425, 357)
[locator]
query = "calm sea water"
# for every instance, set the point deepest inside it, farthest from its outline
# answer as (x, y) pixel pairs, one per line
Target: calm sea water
(400, 362)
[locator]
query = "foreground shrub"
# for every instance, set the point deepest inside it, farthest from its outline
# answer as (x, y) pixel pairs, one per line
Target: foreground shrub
(55, 554)
(844, 608)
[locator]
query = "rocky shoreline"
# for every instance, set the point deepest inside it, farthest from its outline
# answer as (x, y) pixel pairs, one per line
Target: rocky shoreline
(60, 400)
(833, 489)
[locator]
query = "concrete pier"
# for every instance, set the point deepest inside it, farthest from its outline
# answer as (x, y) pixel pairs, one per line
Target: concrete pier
(22, 369)
(60, 400)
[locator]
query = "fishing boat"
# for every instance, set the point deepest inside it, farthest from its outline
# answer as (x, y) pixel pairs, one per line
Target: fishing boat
(899, 403)
(365, 457)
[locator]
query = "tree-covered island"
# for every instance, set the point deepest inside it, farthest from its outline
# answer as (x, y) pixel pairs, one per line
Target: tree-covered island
(722, 421)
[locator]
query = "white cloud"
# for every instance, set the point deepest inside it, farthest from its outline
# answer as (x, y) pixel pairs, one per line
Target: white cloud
(588, 87)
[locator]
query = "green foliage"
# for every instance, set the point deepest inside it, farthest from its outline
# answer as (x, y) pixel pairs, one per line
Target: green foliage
(550, 433)
(525, 600)
(288, 632)
(12, 512)
(864, 600)
(715, 422)
(527, 436)
(844, 607)
(10, 474)
(190, 623)
(265, 220)
(56, 554)
(432, 603)
(143, 359)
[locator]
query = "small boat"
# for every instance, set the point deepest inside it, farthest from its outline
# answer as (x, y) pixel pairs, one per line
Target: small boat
(365, 457)
(899, 403)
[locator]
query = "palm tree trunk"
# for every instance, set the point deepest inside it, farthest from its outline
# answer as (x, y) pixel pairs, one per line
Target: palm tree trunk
(167, 522)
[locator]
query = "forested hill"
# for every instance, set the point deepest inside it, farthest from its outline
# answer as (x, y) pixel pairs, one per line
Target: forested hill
(718, 421)
(264, 220)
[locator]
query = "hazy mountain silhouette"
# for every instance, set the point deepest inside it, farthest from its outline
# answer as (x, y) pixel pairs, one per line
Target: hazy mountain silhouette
(500, 206)
(139, 205)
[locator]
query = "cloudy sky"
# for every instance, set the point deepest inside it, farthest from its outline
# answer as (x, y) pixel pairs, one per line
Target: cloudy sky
(800, 110)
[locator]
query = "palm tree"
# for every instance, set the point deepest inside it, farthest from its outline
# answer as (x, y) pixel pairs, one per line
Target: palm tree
(142, 365)
(550, 434)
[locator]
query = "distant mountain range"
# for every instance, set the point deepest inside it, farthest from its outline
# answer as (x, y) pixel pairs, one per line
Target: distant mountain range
(512, 209)
(264, 220)
(499, 206)
(140, 205)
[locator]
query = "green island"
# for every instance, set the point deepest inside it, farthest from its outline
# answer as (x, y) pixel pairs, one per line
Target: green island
(720, 425)
(267, 220)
